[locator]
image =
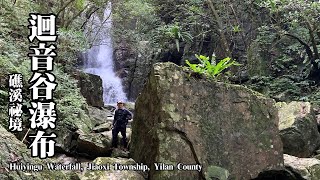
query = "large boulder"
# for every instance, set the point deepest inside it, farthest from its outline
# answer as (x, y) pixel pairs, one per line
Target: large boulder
(118, 152)
(112, 173)
(103, 127)
(90, 87)
(298, 128)
(68, 130)
(303, 168)
(183, 119)
(14, 151)
(93, 145)
(132, 60)
(316, 108)
(99, 116)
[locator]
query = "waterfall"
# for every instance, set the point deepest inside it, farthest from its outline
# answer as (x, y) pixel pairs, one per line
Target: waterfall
(99, 58)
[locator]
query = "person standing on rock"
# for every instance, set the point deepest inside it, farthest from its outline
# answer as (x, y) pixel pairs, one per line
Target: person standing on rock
(120, 121)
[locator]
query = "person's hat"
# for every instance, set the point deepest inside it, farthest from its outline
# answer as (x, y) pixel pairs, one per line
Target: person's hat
(119, 102)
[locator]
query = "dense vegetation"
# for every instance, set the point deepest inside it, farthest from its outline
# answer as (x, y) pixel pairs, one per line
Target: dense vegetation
(14, 47)
(277, 41)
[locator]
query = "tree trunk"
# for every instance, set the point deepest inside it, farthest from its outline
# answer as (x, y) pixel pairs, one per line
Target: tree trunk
(223, 38)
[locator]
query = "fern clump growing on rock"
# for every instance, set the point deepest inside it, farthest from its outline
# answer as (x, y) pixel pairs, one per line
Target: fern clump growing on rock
(210, 67)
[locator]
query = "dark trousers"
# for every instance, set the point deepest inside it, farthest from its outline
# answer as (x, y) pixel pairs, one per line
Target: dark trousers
(115, 132)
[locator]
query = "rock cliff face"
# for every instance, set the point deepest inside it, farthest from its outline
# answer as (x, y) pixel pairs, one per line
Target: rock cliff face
(228, 129)
(132, 67)
(91, 88)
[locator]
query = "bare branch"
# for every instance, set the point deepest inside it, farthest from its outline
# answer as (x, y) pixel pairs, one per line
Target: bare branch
(220, 28)
(306, 46)
(85, 22)
(75, 16)
(64, 7)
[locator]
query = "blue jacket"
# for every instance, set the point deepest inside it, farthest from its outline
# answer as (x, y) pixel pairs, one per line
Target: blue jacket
(121, 117)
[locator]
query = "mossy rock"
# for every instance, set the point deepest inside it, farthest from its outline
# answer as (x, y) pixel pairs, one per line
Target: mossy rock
(307, 168)
(14, 151)
(93, 145)
(298, 128)
(196, 120)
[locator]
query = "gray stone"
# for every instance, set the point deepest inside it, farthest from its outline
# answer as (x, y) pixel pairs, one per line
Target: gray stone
(93, 145)
(298, 129)
(103, 127)
(199, 121)
(90, 87)
(307, 168)
(14, 151)
(117, 152)
(99, 115)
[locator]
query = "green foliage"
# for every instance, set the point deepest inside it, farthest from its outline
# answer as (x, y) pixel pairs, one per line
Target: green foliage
(70, 103)
(134, 21)
(292, 34)
(8, 66)
(174, 32)
(79, 4)
(284, 88)
(186, 18)
(212, 69)
(10, 17)
(236, 29)
(14, 47)
(3, 93)
(70, 43)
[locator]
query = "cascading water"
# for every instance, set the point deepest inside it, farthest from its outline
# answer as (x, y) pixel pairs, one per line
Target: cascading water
(99, 58)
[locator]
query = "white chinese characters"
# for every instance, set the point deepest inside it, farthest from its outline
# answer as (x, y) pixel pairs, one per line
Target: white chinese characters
(43, 27)
(43, 113)
(15, 102)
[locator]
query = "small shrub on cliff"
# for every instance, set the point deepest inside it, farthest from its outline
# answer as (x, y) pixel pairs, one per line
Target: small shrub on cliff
(211, 67)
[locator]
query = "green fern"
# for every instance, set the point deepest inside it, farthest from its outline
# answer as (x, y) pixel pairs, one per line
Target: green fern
(3, 93)
(212, 68)
(175, 32)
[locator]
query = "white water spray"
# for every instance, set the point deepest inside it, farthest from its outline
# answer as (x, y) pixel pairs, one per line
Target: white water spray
(99, 58)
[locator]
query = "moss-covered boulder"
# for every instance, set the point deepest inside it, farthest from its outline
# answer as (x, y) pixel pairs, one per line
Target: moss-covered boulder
(306, 168)
(118, 152)
(183, 119)
(93, 145)
(14, 151)
(99, 116)
(298, 128)
(112, 173)
(90, 87)
(103, 127)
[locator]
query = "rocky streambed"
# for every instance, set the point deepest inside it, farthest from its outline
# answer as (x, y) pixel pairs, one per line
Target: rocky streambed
(184, 127)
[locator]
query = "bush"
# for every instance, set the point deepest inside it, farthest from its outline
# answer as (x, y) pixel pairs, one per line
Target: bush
(212, 69)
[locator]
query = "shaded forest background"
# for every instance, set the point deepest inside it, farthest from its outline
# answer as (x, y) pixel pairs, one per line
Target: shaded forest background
(276, 41)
